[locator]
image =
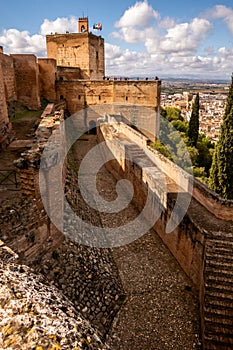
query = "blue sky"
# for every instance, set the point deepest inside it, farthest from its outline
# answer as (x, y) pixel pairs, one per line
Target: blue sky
(164, 38)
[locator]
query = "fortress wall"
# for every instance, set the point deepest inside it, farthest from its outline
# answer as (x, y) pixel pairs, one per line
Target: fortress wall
(96, 54)
(47, 78)
(80, 50)
(27, 80)
(36, 233)
(70, 50)
(219, 207)
(68, 73)
(5, 125)
(81, 93)
(8, 76)
(186, 242)
(3, 107)
(143, 93)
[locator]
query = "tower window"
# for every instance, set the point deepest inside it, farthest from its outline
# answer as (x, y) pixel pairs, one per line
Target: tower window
(126, 98)
(99, 97)
(97, 55)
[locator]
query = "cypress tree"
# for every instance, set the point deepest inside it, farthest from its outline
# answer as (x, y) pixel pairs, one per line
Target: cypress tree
(221, 172)
(193, 129)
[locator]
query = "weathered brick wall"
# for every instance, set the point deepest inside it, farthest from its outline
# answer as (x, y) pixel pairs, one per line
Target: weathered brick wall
(27, 80)
(47, 78)
(8, 76)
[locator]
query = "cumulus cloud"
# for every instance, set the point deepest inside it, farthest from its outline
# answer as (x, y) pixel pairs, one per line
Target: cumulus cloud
(185, 36)
(60, 25)
(222, 12)
(137, 15)
(162, 34)
(15, 41)
(170, 47)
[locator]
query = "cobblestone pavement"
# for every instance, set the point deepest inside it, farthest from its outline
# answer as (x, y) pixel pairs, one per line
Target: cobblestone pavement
(160, 310)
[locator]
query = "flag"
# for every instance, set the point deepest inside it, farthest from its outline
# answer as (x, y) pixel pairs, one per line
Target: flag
(97, 26)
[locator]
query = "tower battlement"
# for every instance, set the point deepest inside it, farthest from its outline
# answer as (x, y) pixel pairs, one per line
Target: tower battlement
(82, 50)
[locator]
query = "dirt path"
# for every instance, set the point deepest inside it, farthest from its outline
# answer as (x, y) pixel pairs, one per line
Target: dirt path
(160, 311)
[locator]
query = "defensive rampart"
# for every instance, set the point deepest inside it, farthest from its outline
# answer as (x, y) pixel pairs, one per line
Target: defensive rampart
(202, 242)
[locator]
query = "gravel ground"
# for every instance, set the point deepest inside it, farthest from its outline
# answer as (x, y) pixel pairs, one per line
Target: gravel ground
(160, 310)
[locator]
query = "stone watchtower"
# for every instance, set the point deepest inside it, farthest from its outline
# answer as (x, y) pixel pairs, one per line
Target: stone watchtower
(82, 50)
(83, 25)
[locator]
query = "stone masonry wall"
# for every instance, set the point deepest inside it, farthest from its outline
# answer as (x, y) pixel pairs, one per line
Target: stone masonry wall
(186, 242)
(5, 126)
(27, 80)
(3, 105)
(69, 50)
(47, 77)
(80, 94)
(96, 54)
(201, 242)
(81, 50)
(8, 76)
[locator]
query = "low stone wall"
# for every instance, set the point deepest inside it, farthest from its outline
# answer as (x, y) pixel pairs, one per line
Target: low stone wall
(221, 208)
(186, 242)
(201, 242)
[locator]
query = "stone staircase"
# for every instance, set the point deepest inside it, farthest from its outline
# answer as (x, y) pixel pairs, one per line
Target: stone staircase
(218, 293)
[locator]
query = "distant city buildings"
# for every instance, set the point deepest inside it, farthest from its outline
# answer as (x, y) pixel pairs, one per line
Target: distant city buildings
(212, 107)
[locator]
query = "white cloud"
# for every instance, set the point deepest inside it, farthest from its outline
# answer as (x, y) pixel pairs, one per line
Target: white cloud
(60, 25)
(169, 47)
(222, 12)
(185, 37)
(137, 15)
(16, 42)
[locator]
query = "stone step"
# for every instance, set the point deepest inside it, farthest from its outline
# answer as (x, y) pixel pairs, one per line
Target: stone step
(218, 329)
(219, 287)
(224, 251)
(211, 293)
(218, 318)
(221, 343)
(217, 255)
(218, 241)
(211, 270)
(218, 302)
(218, 310)
(225, 265)
(219, 280)
(137, 154)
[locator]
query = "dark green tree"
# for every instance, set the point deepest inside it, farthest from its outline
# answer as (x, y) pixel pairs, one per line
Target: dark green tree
(221, 172)
(193, 129)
